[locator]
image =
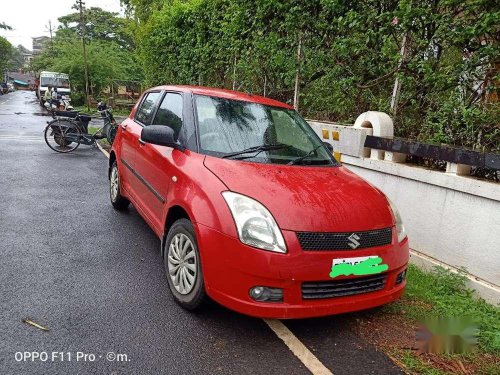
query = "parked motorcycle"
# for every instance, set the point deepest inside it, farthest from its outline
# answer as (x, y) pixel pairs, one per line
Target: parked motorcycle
(62, 103)
(109, 121)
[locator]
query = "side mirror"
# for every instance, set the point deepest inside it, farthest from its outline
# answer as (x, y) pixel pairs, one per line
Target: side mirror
(328, 146)
(160, 135)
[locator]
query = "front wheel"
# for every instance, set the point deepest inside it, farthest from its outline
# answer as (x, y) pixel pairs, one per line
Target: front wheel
(117, 200)
(183, 266)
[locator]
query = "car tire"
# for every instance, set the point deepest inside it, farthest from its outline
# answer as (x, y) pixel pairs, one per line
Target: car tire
(117, 200)
(186, 281)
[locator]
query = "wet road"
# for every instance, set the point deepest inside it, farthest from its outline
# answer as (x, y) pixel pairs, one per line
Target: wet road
(95, 278)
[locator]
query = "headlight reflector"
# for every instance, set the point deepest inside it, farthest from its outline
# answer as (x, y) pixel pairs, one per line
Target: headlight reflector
(255, 224)
(400, 228)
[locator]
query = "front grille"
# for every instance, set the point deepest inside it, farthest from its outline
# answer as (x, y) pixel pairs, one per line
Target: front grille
(344, 240)
(341, 288)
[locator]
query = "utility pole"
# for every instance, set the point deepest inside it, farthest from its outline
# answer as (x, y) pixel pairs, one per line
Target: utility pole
(79, 5)
(397, 84)
(49, 29)
(234, 73)
(402, 57)
(297, 74)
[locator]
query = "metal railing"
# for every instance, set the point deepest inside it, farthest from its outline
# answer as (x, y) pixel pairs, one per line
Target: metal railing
(432, 151)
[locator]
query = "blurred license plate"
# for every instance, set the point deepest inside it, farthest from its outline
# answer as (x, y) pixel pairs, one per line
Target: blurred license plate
(351, 261)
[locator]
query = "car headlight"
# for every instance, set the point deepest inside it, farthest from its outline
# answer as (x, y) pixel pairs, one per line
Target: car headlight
(400, 228)
(255, 224)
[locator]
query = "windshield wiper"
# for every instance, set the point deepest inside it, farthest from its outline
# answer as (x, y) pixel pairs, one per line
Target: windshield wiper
(300, 158)
(257, 149)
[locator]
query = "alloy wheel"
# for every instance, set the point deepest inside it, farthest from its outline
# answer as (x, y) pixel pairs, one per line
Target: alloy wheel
(114, 183)
(182, 267)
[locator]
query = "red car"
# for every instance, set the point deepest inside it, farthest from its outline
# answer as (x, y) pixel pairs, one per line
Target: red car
(252, 209)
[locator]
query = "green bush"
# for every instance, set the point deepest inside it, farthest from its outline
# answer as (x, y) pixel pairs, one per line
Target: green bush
(350, 58)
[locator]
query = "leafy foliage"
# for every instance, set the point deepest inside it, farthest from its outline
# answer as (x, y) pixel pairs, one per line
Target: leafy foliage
(6, 51)
(110, 52)
(350, 57)
(100, 25)
(16, 61)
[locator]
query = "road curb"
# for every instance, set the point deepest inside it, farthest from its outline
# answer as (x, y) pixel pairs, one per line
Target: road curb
(102, 150)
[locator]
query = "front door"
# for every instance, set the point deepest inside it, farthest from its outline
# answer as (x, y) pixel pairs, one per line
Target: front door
(154, 163)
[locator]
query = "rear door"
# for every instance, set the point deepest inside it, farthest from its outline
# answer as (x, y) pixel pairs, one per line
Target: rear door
(131, 129)
(154, 163)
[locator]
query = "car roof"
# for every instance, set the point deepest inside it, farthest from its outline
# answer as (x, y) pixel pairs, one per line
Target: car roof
(223, 93)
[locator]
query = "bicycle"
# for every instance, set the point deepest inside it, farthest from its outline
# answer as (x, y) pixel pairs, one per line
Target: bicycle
(69, 129)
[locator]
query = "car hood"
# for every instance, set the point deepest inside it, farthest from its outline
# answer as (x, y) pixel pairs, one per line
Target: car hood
(321, 199)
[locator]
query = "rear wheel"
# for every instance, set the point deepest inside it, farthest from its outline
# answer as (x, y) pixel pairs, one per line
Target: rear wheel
(62, 135)
(111, 133)
(183, 266)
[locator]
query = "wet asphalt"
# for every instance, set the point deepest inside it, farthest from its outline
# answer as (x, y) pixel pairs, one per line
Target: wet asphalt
(95, 278)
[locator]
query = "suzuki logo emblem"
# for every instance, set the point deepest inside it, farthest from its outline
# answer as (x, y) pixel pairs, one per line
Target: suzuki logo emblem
(353, 241)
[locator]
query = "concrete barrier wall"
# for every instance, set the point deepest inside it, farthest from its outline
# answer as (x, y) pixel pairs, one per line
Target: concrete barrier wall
(452, 220)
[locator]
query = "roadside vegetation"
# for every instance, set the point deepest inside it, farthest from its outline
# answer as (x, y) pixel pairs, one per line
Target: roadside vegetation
(343, 57)
(6, 52)
(110, 50)
(437, 294)
(116, 111)
(337, 58)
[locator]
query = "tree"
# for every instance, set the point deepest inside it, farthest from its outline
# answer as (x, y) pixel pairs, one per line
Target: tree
(16, 61)
(110, 54)
(6, 51)
(100, 25)
(106, 62)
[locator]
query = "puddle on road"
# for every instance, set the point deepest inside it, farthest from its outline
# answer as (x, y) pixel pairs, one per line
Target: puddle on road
(27, 113)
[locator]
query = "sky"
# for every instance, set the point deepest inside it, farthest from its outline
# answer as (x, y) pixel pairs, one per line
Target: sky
(30, 18)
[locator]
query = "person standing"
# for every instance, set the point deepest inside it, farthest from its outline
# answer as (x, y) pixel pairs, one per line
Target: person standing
(48, 94)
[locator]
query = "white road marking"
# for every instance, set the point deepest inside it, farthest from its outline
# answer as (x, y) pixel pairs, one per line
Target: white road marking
(20, 137)
(309, 360)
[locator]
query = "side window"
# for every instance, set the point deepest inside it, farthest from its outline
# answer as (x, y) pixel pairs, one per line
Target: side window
(170, 113)
(145, 111)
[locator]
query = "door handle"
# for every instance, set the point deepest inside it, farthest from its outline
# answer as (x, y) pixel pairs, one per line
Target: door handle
(141, 142)
(124, 126)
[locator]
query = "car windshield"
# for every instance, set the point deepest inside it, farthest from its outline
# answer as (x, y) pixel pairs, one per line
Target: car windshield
(55, 82)
(254, 132)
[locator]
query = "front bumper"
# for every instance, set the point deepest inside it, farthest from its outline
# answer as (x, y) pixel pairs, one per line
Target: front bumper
(232, 268)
